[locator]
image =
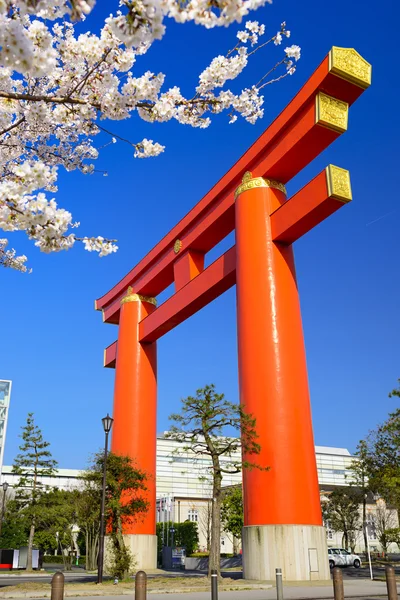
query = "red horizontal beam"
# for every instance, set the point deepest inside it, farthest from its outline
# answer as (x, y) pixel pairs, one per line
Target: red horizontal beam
(297, 146)
(306, 209)
(287, 145)
(110, 356)
(200, 291)
(203, 289)
(310, 206)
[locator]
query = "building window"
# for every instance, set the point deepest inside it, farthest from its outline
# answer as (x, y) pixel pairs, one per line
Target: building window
(193, 515)
(371, 527)
(329, 532)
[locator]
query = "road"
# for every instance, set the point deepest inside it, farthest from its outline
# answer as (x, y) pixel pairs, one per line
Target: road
(357, 584)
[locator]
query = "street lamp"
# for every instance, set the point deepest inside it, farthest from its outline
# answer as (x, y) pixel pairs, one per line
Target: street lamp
(5, 488)
(107, 424)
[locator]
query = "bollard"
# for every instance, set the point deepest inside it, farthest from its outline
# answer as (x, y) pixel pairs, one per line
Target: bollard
(57, 586)
(391, 582)
(279, 584)
(140, 585)
(338, 591)
(214, 584)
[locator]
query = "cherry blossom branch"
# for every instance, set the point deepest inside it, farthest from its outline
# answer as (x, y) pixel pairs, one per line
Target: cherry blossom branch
(278, 64)
(65, 84)
(84, 80)
(13, 126)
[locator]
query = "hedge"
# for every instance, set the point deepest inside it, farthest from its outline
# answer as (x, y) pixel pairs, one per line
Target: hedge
(58, 560)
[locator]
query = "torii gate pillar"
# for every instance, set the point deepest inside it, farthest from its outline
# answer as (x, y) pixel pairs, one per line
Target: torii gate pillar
(135, 417)
(283, 525)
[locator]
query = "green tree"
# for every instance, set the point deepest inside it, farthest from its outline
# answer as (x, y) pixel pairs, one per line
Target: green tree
(384, 458)
(395, 392)
(341, 509)
(232, 513)
(360, 477)
(14, 531)
(199, 428)
(55, 521)
(186, 535)
(32, 464)
(125, 502)
(393, 535)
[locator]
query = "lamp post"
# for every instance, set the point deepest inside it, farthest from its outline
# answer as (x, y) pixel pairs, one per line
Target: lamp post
(107, 424)
(3, 508)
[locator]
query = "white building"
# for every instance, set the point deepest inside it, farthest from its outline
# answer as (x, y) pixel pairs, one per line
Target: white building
(5, 393)
(184, 486)
(64, 479)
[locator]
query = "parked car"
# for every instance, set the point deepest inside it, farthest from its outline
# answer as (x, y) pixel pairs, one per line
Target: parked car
(339, 557)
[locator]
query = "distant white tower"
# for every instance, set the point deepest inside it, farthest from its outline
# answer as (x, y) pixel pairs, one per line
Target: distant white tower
(5, 393)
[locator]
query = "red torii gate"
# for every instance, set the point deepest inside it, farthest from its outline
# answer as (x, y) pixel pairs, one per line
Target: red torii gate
(282, 515)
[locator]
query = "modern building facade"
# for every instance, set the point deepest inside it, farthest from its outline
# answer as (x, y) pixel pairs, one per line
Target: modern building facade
(5, 395)
(184, 488)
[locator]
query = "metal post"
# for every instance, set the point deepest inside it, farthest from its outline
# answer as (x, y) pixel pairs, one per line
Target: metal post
(163, 521)
(57, 586)
(140, 585)
(338, 590)
(279, 584)
(391, 582)
(167, 517)
(214, 584)
(2, 510)
(369, 553)
(103, 507)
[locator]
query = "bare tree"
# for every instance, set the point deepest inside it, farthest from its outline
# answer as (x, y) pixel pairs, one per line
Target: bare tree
(205, 522)
(384, 520)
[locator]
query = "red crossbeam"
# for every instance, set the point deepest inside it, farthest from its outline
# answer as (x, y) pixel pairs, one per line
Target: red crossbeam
(308, 207)
(293, 140)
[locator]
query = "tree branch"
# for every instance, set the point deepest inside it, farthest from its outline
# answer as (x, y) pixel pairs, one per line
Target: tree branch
(13, 126)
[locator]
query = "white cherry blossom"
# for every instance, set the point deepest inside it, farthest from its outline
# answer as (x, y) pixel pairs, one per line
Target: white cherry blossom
(59, 90)
(293, 52)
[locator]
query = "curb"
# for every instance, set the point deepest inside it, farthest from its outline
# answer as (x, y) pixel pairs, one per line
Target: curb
(125, 592)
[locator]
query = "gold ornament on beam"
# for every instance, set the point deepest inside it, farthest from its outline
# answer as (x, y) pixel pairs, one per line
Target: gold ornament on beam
(331, 112)
(338, 181)
(348, 64)
(177, 246)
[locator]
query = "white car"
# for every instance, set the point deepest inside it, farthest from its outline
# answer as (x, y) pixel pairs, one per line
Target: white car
(339, 557)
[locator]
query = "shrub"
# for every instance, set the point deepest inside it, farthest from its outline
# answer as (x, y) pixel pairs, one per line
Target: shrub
(58, 560)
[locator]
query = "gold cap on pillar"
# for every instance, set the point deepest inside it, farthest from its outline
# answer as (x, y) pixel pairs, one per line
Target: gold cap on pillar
(132, 297)
(249, 183)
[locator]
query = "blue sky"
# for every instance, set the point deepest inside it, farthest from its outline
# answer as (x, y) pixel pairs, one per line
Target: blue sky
(52, 340)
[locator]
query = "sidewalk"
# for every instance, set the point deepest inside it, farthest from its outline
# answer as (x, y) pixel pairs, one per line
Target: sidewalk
(247, 591)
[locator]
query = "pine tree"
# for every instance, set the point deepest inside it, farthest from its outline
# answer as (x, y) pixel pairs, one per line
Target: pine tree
(32, 464)
(200, 428)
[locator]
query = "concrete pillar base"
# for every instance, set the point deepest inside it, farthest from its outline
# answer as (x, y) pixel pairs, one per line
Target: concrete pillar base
(300, 551)
(143, 548)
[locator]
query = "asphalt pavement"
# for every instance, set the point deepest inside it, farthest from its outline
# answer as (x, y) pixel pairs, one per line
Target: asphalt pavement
(362, 590)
